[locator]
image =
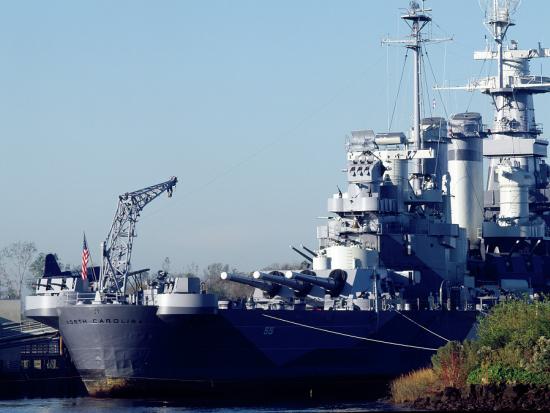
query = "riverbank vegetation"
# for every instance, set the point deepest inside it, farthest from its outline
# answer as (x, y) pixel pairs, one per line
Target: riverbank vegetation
(512, 347)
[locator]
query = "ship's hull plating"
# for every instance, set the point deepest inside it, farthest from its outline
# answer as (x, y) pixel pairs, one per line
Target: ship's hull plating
(126, 349)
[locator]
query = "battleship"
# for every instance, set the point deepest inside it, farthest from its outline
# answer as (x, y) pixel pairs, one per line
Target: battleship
(414, 250)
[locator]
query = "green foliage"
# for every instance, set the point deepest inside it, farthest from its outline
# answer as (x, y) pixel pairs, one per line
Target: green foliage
(514, 344)
(512, 347)
(516, 323)
(540, 362)
(500, 373)
(453, 362)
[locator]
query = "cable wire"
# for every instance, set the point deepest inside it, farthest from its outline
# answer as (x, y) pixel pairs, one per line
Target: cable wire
(398, 90)
(324, 330)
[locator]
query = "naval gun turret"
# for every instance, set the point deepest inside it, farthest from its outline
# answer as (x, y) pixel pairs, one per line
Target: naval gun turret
(299, 287)
(333, 284)
(390, 232)
(269, 288)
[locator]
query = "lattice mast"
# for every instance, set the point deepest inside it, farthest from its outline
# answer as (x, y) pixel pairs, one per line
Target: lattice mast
(117, 249)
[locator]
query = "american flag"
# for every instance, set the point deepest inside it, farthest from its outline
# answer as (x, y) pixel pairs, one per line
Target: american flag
(85, 257)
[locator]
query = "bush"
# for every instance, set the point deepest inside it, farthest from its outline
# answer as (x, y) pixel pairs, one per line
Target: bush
(414, 385)
(513, 346)
(499, 373)
(454, 361)
(516, 323)
(540, 362)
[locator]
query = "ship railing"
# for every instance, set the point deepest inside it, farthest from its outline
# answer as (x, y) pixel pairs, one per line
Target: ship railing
(486, 302)
(402, 305)
(75, 298)
(431, 303)
(538, 128)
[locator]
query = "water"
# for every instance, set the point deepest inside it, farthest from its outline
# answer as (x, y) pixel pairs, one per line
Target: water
(88, 404)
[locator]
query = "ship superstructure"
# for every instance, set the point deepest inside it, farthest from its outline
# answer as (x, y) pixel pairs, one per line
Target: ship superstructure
(509, 223)
(395, 231)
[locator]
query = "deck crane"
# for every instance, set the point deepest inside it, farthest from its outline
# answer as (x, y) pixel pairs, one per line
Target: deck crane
(117, 249)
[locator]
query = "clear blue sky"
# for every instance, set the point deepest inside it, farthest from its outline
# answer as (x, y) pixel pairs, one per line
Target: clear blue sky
(247, 102)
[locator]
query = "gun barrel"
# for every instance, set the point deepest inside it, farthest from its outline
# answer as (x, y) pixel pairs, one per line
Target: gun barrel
(307, 257)
(333, 284)
(268, 287)
(309, 250)
(301, 288)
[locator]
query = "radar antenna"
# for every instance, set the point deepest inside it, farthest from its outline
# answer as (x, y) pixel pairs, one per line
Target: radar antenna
(117, 249)
(498, 15)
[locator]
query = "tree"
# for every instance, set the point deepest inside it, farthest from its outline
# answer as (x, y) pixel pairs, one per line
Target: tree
(37, 266)
(277, 266)
(166, 265)
(222, 288)
(192, 270)
(6, 284)
(16, 261)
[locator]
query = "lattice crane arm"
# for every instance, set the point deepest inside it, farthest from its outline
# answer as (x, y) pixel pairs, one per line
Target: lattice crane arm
(117, 249)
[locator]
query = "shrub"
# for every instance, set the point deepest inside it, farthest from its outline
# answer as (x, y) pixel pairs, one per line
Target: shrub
(414, 385)
(512, 347)
(499, 373)
(454, 361)
(540, 361)
(517, 323)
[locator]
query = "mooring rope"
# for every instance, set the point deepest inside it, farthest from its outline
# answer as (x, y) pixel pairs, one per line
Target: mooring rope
(421, 326)
(349, 335)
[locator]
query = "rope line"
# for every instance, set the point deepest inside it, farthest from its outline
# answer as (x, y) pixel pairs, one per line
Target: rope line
(349, 335)
(435, 80)
(421, 326)
(398, 90)
(429, 97)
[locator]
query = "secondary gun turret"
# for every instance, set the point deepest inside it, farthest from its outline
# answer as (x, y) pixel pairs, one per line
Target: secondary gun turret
(269, 288)
(333, 284)
(301, 288)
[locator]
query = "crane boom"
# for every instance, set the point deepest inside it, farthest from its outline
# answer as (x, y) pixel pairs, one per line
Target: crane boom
(117, 249)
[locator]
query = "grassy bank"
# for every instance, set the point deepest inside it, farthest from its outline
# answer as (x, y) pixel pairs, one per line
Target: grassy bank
(512, 347)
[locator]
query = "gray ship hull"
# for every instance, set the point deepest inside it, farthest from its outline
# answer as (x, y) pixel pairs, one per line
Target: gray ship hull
(128, 349)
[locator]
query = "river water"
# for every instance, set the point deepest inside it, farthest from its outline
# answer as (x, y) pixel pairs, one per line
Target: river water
(87, 404)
